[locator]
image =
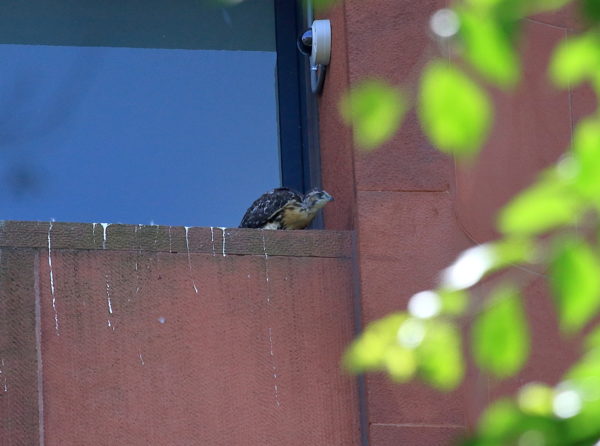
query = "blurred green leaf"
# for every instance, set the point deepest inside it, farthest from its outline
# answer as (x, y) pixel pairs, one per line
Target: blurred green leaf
(575, 60)
(511, 251)
(488, 47)
(584, 377)
(454, 302)
(503, 424)
(322, 5)
(455, 112)
(375, 110)
(500, 336)
(592, 340)
(369, 350)
(475, 263)
(400, 363)
(524, 7)
(536, 399)
(500, 419)
(485, 3)
(590, 10)
(537, 6)
(549, 203)
(585, 167)
(575, 280)
(440, 355)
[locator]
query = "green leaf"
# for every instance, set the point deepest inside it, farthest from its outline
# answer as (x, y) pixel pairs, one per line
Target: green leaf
(538, 6)
(400, 363)
(584, 378)
(488, 47)
(592, 340)
(454, 302)
(525, 7)
(511, 251)
(549, 203)
(536, 399)
(500, 419)
(440, 356)
(322, 5)
(586, 163)
(500, 336)
(369, 350)
(375, 110)
(590, 10)
(455, 112)
(575, 60)
(575, 280)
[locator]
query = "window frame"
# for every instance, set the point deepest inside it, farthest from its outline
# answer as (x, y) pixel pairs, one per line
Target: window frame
(297, 105)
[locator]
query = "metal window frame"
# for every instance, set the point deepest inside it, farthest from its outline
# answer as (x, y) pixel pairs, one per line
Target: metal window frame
(298, 111)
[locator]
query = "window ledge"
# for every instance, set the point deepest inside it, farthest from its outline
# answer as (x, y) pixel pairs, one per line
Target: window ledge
(174, 239)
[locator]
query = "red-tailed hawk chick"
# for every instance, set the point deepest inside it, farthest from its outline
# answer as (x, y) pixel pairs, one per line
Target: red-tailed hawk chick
(283, 208)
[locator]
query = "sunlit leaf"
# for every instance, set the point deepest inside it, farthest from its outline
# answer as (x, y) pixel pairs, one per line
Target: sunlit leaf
(474, 263)
(547, 204)
(375, 111)
(440, 356)
(400, 363)
(484, 3)
(368, 351)
(524, 7)
(454, 302)
(592, 340)
(455, 113)
(575, 280)
(574, 60)
(512, 251)
(500, 336)
(584, 377)
(322, 5)
(537, 6)
(536, 399)
(488, 48)
(500, 419)
(586, 162)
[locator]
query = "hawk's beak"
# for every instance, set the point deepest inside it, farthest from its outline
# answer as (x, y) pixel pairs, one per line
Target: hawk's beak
(328, 197)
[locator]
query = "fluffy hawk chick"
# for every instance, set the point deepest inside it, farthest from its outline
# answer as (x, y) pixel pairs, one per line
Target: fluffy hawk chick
(282, 208)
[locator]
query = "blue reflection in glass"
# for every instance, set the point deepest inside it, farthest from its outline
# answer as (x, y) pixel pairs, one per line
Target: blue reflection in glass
(130, 135)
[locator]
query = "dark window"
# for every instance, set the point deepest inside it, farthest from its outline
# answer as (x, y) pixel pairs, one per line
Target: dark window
(147, 111)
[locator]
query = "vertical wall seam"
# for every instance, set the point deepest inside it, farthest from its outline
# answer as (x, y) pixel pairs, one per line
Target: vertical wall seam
(363, 418)
(38, 346)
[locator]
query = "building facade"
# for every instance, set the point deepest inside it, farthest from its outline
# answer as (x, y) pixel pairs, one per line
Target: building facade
(136, 335)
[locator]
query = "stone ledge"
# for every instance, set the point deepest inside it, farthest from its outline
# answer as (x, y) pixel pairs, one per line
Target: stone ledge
(173, 239)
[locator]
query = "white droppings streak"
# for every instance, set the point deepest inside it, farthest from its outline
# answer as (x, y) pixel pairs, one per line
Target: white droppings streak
(141, 359)
(110, 310)
(212, 239)
(277, 403)
(223, 230)
(187, 244)
(104, 235)
(271, 352)
(3, 375)
(52, 291)
(170, 241)
(109, 303)
(266, 264)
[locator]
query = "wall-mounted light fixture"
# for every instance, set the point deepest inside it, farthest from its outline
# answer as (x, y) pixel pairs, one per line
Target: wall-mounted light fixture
(315, 43)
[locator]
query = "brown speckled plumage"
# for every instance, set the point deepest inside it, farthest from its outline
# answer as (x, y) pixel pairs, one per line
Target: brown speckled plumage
(282, 208)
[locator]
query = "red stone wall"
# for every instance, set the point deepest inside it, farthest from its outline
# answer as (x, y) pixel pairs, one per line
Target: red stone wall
(413, 210)
(167, 336)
